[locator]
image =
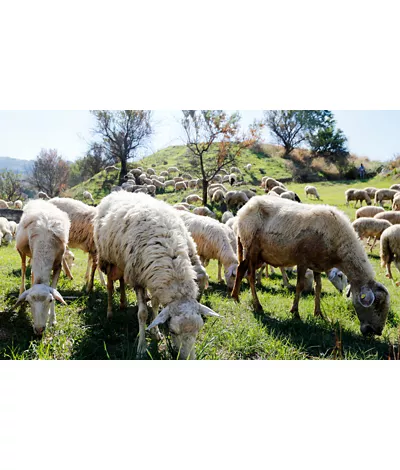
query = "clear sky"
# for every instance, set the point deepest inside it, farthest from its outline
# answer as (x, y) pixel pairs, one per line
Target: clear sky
(375, 134)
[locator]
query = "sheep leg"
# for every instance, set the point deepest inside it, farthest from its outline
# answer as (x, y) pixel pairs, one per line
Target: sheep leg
(301, 272)
(110, 291)
(101, 277)
(241, 271)
(317, 306)
(142, 317)
(259, 275)
(88, 266)
(122, 294)
(252, 278)
(389, 270)
(155, 332)
(219, 271)
(56, 275)
(284, 278)
(373, 244)
(89, 286)
(67, 270)
(23, 271)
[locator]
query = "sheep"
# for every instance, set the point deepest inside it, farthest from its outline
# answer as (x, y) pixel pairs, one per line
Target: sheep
(173, 169)
(319, 237)
(204, 211)
(212, 242)
(42, 195)
(110, 168)
(278, 190)
(263, 181)
(192, 184)
(136, 172)
(395, 186)
(88, 195)
(3, 204)
(236, 170)
(81, 231)
(384, 195)
(192, 198)
(180, 207)
(249, 193)
(151, 189)
(226, 216)
(213, 187)
(218, 179)
(169, 183)
(150, 171)
(164, 173)
(368, 211)
(272, 183)
(5, 231)
(357, 195)
(158, 184)
(335, 276)
(187, 176)
(18, 204)
(42, 236)
(180, 185)
(248, 167)
(371, 191)
(13, 227)
(177, 179)
(396, 202)
(392, 216)
(235, 199)
(232, 179)
(218, 196)
(311, 191)
(68, 262)
(225, 179)
(390, 250)
(370, 227)
(290, 195)
(143, 242)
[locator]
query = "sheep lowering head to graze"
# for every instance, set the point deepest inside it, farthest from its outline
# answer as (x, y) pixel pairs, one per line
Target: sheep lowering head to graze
(311, 191)
(357, 195)
(204, 211)
(144, 242)
(282, 233)
(368, 211)
(390, 250)
(395, 187)
(236, 199)
(5, 231)
(385, 195)
(290, 195)
(392, 216)
(192, 198)
(3, 204)
(42, 236)
(371, 228)
(273, 183)
(278, 190)
(371, 191)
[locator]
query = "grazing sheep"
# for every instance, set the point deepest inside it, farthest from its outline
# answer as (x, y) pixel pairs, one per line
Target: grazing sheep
(180, 207)
(18, 204)
(371, 191)
(263, 181)
(335, 276)
(42, 195)
(173, 169)
(384, 195)
(290, 195)
(150, 189)
(396, 202)
(368, 211)
(110, 168)
(178, 178)
(81, 232)
(3, 204)
(204, 211)
(311, 191)
(357, 195)
(225, 179)
(150, 171)
(13, 227)
(164, 173)
(88, 195)
(226, 216)
(180, 185)
(390, 250)
(157, 184)
(317, 237)
(278, 190)
(212, 241)
(218, 196)
(392, 216)
(187, 176)
(192, 198)
(136, 172)
(395, 187)
(248, 167)
(169, 183)
(235, 199)
(213, 187)
(235, 170)
(5, 231)
(218, 179)
(272, 183)
(249, 193)
(143, 242)
(42, 236)
(370, 227)
(232, 179)
(192, 184)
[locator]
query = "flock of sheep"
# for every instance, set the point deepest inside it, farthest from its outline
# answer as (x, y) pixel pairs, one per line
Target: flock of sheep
(162, 251)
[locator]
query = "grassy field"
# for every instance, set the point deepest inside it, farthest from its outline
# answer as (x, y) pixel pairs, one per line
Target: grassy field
(83, 332)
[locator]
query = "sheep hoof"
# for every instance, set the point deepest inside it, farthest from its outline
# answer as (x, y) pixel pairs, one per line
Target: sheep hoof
(296, 315)
(258, 308)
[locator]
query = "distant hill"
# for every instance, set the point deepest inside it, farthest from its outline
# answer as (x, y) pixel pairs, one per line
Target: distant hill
(15, 164)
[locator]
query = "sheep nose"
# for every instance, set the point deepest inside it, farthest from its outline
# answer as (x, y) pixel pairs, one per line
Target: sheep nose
(39, 331)
(367, 330)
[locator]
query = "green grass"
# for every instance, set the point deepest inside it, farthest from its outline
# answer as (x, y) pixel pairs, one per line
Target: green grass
(83, 332)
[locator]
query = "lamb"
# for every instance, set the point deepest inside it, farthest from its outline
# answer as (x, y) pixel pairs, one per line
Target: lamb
(5, 231)
(81, 231)
(3, 204)
(282, 233)
(395, 186)
(357, 195)
(272, 183)
(204, 211)
(371, 191)
(392, 216)
(212, 242)
(151, 252)
(370, 227)
(180, 185)
(396, 202)
(218, 196)
(42, 195)
(390, 250)
(384, 195)
(18, 204)
(88, 195)
(248, 167)
(192, 198)
(335, 276)
(235, 199)
(290, 195)
(42, 236)
(368, 211)
(311, 191)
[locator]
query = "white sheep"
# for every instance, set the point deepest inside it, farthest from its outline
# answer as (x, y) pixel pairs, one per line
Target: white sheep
(213, 187)
(390, 250)
(335, 276)
(278, 190)
(395, 186)
(88, 195)
(164, 173)
(218, 196)
(13, 227)
(204, 211)
(212, 241)
(232, 179)
(150, 171)
(81, 232)
(357, 195)
(272, 183)
(18, 204)
(180, 186)
(192, 184)
(173, 169)
(396, 202)
(226, 216)
(235, 170)
(290, 195)
(392, 216)
(143, 242)
(5, 231)
(192, 198)
(385, 195)
(42, 236)
(371, 228)
(318, 237)
(235, 199)
(371, 191)
(248, 167)
(218, 179)
(311, 191)
(3, 204)
(169, 183)
(368, 211)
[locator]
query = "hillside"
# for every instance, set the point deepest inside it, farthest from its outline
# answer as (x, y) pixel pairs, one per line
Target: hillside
(15, 164)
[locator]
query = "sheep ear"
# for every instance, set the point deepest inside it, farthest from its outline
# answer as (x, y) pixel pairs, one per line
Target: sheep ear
(231, 270)
(366, 297)
(162, 317)
(58, 296)
(207, 312)
(332, 273)
(22, 298)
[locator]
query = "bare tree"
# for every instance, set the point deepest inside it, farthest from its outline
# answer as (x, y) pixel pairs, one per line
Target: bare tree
(10, 185)
(49, 173)
(123, 133)
(214, 141)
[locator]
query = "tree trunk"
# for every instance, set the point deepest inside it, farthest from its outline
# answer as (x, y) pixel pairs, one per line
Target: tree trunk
(205, 187)
(124, 171)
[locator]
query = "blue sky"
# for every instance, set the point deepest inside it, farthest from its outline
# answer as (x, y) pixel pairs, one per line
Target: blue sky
(375, 134)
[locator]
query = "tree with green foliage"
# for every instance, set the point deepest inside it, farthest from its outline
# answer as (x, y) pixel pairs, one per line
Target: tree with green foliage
(49, 173)
(10, 185)
(291, 128)
(214, 141)
(122, 134)
(88, 166)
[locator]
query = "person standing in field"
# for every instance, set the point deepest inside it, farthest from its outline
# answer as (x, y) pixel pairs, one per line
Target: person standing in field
(361, 171)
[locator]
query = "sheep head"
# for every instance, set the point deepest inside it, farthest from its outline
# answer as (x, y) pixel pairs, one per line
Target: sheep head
(338, 279)
(183, 319)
